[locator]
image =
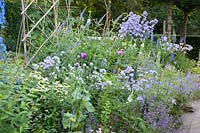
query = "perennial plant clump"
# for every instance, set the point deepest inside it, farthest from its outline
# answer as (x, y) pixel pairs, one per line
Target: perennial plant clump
(87, 84)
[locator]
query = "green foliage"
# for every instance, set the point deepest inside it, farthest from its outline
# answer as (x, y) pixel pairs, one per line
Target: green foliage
(196, 70)
(14, 102)
(13, 22)
(183, 63)
(85, 83)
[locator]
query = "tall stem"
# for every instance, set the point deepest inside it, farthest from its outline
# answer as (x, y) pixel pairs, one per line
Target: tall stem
(24, 32)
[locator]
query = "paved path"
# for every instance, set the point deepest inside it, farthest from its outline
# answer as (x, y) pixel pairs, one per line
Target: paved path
(191, 121)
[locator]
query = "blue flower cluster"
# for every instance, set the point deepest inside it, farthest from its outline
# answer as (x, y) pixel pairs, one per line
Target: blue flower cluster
(2, 14)
(2, 50)
(137, 26)
(2, 24)
(47, 63)
(158, 117)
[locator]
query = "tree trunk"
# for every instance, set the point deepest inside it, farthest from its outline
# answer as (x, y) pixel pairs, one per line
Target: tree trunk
(169, 19)
(183, 28)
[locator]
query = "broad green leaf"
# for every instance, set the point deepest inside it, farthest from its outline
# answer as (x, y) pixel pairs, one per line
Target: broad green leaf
(89, 107)
(3, 117)
(76, 94)
(68, 119)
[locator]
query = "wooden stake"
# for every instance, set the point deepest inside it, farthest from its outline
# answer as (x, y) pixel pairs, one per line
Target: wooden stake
(55, 9)
(164, 27)
(199, 54)
(39, 21)
(24, 32)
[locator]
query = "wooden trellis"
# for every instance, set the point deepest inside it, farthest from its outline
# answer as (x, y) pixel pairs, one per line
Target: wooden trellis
(30, 25)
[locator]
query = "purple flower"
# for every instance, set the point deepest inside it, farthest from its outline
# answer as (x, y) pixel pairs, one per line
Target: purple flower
(76, 64)
(120, 52)
(83, 55)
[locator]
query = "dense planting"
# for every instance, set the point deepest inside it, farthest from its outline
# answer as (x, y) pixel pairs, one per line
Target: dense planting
(122, 83)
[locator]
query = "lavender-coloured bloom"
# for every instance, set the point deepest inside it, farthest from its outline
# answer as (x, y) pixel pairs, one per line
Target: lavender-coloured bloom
(158, 117)
(76, 64)
(145, 14)
(61, 26)
(152, 36)
(81, 15)
(83, 55)
(137, 26)
(164, 38)
(172, 57)
(68, 29)
(48, 62)
(139, 98)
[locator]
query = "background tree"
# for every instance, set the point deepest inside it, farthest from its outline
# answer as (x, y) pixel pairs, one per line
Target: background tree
(187, 7)
(169, 4)
(13, 22)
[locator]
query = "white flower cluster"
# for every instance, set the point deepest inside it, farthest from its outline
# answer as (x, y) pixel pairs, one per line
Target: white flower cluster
(75, 73)
(172, 46)
(185, 47)
(44, 85)
(91, 73)
(98, 79)
(128, 76)
(137, 80)
(47, 63)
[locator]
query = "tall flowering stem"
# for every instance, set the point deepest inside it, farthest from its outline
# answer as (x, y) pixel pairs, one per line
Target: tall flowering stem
(2, 14)
(2, 24)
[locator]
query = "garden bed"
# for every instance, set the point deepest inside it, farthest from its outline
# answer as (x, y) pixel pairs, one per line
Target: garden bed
(130, 84)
